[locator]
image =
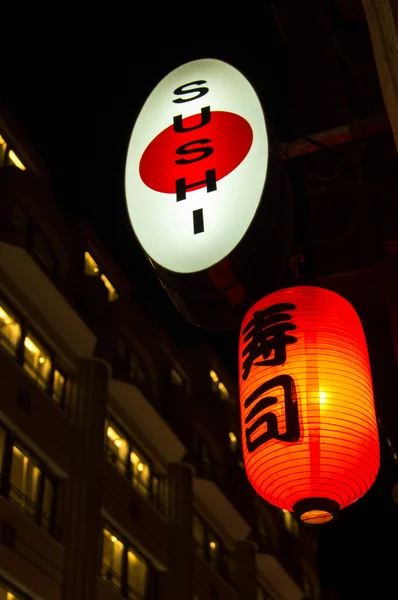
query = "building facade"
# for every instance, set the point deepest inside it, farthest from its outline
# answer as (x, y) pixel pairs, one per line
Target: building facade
(121, 473)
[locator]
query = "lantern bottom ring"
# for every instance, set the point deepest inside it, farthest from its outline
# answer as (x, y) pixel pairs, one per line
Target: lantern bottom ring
(316, 511)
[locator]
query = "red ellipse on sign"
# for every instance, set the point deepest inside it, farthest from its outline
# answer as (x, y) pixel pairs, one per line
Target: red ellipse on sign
(230, 138)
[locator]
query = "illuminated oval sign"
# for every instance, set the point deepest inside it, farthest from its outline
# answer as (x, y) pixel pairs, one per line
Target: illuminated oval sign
(196, 166)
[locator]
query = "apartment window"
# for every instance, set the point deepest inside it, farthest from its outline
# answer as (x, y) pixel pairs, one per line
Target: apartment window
(208, 545)
(137, 575)
(203, 456)
(10, 592)
(176, 378)
(30, 488)
(41, 249)
(214, 551)
(219, 387)
(37, 361)
(122, 566)
(129, 361)
(92, 269)
(290, 522)
(112, 294)
(48, 503)
(233, 441)
(8, 156)
(135, 370)
(158, 490)
(199, 536)
(19, 219)
(90, 266)
(59, 385)
(10, 329)
(112, 559)
(25, 480)
(13, 159)
(133, 464)
(116, 448)
(140, 472)
(3, 151)
(3, 437)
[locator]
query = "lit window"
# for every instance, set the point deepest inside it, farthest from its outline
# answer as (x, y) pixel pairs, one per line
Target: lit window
(391, 447)
(218, 386)
(214, 376)
(3, 150)
(214, 550)
(233, 441)
(37, 362)
(3, 435)
(176, 378)
(224, 394)
(8, 592)
(10, 330)
(137, 575)
(290, 522)
(90, 266)
(199, 535)
(140, 472)
(112, 559)
(112, 295)
(58, 387)
(92, 270)
(117, 448)
(13, 159)
(24, 488)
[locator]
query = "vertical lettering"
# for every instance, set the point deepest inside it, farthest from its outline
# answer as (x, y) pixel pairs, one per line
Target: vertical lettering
(198, 91)
(182, 186)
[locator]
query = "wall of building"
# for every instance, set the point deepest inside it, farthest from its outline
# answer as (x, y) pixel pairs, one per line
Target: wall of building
(172, 410)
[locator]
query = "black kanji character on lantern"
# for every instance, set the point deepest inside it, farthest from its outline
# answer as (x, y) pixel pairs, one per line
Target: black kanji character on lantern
(292, 433)
(266, 333)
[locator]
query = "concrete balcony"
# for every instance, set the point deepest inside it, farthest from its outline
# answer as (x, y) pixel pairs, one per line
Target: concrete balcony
(279, 583)
(209, 584)
(152, 425)
(41, 282)
(133, 514)
(22, 271)
(35, 417)
(28, 550)
(215, 500)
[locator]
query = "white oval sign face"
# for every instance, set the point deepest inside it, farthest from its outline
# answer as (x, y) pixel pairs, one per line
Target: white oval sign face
(196, 165)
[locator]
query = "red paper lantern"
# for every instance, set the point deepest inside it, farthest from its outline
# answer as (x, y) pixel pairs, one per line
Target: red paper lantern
(309, 430)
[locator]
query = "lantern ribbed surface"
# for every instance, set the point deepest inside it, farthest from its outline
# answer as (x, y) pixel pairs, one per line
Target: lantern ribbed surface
(309, 430)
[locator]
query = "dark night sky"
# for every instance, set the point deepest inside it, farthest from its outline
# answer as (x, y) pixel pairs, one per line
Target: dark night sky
(78, 109)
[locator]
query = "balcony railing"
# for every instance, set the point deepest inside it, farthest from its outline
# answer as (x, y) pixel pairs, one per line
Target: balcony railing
(111, 576)
(144, 489)
(120, 584)
(33, 510)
